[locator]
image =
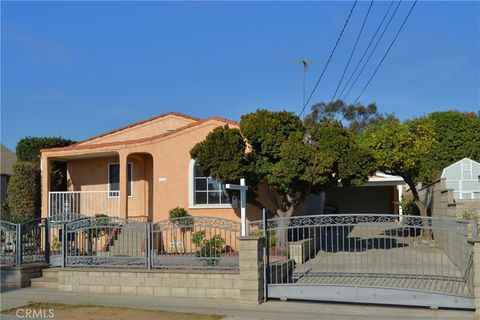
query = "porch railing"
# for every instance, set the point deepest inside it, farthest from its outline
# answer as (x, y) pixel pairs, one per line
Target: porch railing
(85, 203)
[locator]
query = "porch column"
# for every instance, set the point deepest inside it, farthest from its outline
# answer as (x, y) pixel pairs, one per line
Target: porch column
(123, 181)
(45, 184)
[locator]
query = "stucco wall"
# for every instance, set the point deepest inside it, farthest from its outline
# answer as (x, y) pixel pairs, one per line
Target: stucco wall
(167, 183)
(146, 129)
(92, 175)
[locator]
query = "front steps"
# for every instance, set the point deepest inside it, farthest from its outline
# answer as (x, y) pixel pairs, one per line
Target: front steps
(49, 279)
(130, 242)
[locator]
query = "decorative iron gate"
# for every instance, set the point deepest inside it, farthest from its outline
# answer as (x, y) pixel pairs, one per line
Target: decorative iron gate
(381, 259)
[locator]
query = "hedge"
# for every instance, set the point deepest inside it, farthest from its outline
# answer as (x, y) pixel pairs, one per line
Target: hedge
(23, 191)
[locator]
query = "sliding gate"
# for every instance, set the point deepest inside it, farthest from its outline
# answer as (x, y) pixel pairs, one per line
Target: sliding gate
(381, 259)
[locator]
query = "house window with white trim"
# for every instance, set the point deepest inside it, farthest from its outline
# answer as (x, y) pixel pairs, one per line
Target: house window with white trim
(208, 191)
(114, 179)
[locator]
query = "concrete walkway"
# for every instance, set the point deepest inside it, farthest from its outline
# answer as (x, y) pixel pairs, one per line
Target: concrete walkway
(232, 310)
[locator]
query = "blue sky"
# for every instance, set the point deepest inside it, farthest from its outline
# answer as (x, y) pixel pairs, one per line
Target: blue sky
(77, 69)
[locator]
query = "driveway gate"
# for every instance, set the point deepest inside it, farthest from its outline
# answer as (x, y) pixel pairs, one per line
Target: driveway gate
(368, 258)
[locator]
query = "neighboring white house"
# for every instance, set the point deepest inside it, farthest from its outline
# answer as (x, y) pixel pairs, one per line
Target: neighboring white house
(464, 178)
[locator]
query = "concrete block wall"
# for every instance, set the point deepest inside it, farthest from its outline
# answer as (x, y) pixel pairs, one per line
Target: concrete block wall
(246, 285)
(19, 277)
(476, 274)
(191, 284)
(251, 269)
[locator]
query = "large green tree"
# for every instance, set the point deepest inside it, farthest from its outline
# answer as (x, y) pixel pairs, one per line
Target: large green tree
(291, 158)
(355, 117)
(399, 149)
(457, 135)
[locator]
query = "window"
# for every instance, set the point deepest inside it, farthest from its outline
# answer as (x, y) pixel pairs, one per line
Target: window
(114, 179)
(208, 191)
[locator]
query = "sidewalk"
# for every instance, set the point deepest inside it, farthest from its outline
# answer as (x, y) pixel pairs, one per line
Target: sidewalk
(277, 310)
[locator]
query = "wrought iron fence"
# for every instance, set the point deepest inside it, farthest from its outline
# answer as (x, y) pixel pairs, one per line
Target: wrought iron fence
(196, 243)
(8, 236)
(106, 242)
(399, 252)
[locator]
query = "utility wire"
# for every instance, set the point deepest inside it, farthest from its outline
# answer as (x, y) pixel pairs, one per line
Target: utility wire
(329, 58)
(368, 47)
(373, 50)
(388, 50)
(353, 50)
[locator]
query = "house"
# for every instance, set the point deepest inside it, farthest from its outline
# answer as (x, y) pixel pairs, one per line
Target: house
(140, 172)
(456, 192)
(8, 158)
(464, 178)
(143, 170)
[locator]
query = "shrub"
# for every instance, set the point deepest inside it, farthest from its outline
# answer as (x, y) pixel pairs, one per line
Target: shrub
(209, 251)
(409, 208)
(474, 216)
(28, 148)
(23, 191)
(177, 213)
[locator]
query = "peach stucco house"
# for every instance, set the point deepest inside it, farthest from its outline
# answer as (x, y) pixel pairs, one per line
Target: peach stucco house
(140, 172)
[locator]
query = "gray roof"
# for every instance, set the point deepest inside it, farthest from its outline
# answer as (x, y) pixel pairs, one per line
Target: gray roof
(8, 158)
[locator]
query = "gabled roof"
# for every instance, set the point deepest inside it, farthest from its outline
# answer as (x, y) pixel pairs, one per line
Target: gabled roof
(127, 142)
(136, 124)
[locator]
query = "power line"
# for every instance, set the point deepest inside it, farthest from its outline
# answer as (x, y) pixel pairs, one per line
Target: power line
(373, 50)
(329, 58)
(388, 50)
(353, 50)
(368, 47)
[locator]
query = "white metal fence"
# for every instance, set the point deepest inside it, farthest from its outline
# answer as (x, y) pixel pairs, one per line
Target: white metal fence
(86, 203)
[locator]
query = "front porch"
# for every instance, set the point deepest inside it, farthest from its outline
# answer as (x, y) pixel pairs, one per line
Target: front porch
(113, 184)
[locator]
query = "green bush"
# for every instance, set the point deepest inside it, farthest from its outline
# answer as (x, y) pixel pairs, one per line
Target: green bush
(23, 191)
(409, 207)
(209, 251)
(28, 148)
(177, 213)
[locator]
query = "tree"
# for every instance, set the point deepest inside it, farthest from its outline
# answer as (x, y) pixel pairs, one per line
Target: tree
(291, 158)
(398, 149)
(23, 189)
(355, 117)
(457, 135)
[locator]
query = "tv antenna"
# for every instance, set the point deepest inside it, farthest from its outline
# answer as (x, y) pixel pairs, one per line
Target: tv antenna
(306, 63)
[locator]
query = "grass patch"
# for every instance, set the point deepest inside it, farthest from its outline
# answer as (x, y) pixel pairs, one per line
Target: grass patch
(95, 312)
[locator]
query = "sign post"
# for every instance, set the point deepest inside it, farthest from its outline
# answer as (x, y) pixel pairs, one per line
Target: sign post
(243, 202)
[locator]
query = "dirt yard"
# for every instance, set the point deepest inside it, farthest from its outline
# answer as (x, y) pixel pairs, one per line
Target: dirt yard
(91, 312)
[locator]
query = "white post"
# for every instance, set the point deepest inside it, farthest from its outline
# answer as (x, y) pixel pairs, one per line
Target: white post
(243, 207)
(400, 194)
(243, 203)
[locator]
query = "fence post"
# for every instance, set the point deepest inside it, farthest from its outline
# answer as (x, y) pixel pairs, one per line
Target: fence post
(266, 256)
(47, 240)
(251, 269)
(64, 243)
(18, 246)
(148, 245)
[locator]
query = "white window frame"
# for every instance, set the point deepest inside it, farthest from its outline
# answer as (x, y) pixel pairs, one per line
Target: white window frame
(191, 193)
(131, 181)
